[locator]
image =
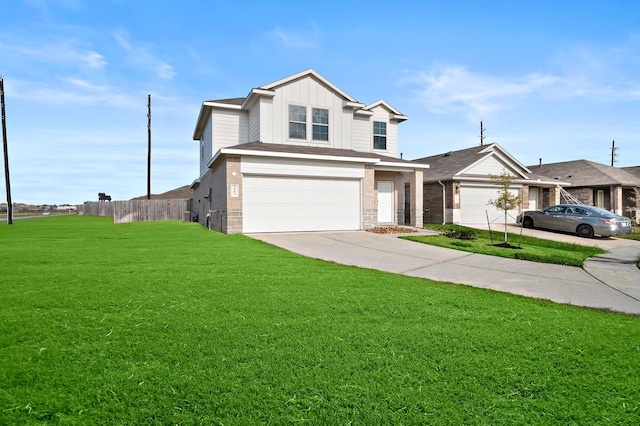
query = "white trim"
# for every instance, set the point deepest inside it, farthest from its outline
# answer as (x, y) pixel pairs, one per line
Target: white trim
(403, 165)
(296, 155)
(221, 105)
(305, 73)
(354, 105)
(519, 181)
(494, 145)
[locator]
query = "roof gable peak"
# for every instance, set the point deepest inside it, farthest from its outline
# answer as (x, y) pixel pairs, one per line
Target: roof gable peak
(306, 74)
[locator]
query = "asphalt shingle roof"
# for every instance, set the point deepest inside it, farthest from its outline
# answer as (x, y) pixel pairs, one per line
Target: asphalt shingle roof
(444, 166)
(312, 150)
(587, 173)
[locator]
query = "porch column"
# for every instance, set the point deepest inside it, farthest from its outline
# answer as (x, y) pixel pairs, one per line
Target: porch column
(616, 199)
(368, 198)
(417, 204)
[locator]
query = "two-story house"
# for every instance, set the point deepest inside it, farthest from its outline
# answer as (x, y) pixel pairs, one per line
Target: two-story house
(300, 154)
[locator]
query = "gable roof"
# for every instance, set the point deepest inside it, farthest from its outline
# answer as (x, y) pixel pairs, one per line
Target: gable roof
(452, 164)
(307, 73)
(634, 170)
(588, 173)
(268, 90)
(395, 114)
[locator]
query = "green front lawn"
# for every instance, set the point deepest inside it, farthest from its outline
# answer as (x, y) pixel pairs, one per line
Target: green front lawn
(634, 236)
(525, 248)
(169, 323)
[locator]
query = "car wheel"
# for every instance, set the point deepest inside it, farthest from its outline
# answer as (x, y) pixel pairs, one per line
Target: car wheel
(585, 231)
(527, 222)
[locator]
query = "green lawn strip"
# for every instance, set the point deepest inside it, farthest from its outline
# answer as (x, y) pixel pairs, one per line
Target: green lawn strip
(168, 323)
(528, 248)
(635, 235)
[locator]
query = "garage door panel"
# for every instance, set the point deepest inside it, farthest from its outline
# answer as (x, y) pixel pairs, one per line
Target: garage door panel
(474, 205)
(282, 204)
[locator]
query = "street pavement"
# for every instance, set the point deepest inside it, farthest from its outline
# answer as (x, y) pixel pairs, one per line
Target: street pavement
(610, 281)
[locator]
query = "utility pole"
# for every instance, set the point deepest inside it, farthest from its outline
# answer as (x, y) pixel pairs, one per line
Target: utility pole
(6, 156)
(149, 147)
(482, 136)
(613, 152)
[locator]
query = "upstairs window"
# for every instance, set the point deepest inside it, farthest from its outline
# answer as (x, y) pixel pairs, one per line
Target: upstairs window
(297, 122)
(320, 118)
(379, 135)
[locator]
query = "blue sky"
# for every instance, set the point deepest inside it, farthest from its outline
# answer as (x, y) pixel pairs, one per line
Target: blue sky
(557, 80)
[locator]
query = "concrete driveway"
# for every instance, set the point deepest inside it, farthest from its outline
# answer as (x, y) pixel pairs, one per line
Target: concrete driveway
(608, 282)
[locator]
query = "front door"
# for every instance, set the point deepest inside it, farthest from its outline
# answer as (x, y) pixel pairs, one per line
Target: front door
(385, 202)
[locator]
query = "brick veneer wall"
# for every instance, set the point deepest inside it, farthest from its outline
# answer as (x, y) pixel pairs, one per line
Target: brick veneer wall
(584, 195)
(369, 215)
(234, 204)
(215, 179)
(417, 205)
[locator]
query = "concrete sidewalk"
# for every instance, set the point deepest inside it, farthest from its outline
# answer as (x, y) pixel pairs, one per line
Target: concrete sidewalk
(605, 283)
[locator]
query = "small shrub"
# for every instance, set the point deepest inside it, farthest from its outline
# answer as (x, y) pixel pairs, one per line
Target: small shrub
(459, 234)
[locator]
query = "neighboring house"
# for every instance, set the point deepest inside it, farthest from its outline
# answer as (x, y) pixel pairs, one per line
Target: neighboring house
(300, 154)
(634, 170)
(595, 184)
(458, 185)
(183, 192)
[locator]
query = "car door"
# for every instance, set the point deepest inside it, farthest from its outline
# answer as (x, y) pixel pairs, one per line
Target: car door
(551, 218)
(571, 218)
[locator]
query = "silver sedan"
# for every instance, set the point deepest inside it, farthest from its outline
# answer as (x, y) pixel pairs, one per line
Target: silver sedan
(585, 221)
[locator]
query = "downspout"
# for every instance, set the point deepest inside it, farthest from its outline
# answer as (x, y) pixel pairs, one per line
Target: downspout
(444, 203)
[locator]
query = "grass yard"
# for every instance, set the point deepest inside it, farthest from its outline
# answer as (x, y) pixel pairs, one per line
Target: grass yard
(168, 323)
(529, 248)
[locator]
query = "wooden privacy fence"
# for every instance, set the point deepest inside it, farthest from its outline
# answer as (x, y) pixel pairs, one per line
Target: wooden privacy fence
(95, 209)
(140, 210)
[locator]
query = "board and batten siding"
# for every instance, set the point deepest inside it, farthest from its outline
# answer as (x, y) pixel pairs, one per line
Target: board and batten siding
(310, 93)
(362, 138)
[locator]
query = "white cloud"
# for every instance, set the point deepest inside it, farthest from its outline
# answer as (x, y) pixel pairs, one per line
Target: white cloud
(64, 52)
(142, 56)
(71, 91)
(450, 88)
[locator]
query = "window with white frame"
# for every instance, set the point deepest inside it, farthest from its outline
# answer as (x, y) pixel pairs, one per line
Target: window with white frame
(600, 198)
(297, 122)
(320, 118)
(379, 135)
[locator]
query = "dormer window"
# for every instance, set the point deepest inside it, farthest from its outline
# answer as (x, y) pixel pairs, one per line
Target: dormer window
(297, 122)
(379, 135)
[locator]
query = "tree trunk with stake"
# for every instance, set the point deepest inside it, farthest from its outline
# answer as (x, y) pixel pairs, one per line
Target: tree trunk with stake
(506, 200)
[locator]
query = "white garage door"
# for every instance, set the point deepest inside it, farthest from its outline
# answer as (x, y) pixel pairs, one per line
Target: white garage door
(285, 204)
(473, 205)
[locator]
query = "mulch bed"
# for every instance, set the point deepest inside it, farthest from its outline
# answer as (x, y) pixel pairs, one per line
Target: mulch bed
(391, 230)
